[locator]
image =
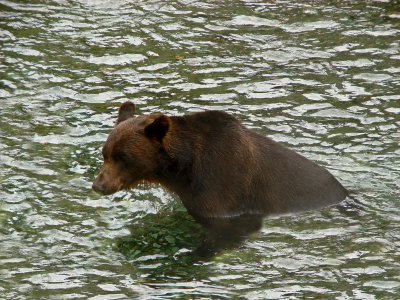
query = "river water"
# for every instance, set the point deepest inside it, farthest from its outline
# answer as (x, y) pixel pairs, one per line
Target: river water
(322, 77)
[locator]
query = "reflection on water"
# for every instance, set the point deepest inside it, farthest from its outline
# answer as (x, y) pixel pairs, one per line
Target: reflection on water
(322, 78)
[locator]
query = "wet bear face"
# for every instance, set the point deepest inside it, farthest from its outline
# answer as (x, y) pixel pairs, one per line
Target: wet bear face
(131, 152)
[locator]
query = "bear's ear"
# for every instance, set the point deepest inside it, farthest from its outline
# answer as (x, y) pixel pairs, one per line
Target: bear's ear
(158, 128)
(126, 111)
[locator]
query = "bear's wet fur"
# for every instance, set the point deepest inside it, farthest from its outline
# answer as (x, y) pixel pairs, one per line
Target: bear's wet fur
(227, 176)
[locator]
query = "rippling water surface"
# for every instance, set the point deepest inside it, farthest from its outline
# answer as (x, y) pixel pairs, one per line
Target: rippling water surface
(322, 77)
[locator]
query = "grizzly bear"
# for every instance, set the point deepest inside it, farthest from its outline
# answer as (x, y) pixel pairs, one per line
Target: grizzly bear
(227, 176)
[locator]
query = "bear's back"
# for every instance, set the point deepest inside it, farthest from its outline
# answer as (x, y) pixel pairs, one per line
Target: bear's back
(290, 182)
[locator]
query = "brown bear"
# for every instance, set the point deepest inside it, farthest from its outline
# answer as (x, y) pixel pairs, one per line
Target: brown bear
(227, 176)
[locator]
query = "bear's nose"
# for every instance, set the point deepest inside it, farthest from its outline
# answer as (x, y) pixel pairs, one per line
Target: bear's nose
(99, 188)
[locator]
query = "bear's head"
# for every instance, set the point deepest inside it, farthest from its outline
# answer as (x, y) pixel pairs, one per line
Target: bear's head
(132, 151)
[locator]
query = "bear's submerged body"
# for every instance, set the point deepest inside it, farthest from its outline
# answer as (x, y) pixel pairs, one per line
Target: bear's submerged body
(227, 176)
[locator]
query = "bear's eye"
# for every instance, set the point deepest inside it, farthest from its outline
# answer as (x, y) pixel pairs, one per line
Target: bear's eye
(119, 156)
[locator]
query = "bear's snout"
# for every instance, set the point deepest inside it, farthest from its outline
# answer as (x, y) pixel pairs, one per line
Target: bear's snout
(99, 188)
(107, 181)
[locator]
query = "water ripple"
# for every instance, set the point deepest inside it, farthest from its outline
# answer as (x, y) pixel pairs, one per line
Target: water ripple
(320, 77)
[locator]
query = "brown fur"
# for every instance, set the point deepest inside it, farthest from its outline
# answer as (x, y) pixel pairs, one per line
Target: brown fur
(220, 169)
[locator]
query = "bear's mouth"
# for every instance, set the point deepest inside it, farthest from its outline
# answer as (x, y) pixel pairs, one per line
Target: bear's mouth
(103, 191)
(136, 184)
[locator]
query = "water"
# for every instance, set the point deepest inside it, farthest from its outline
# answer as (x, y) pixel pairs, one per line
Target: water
(321, 77)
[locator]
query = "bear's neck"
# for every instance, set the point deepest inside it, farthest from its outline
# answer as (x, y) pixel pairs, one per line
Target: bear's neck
(177, 179)
(176, 158)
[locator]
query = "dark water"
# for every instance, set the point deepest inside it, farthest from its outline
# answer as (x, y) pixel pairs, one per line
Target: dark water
(322, 77)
